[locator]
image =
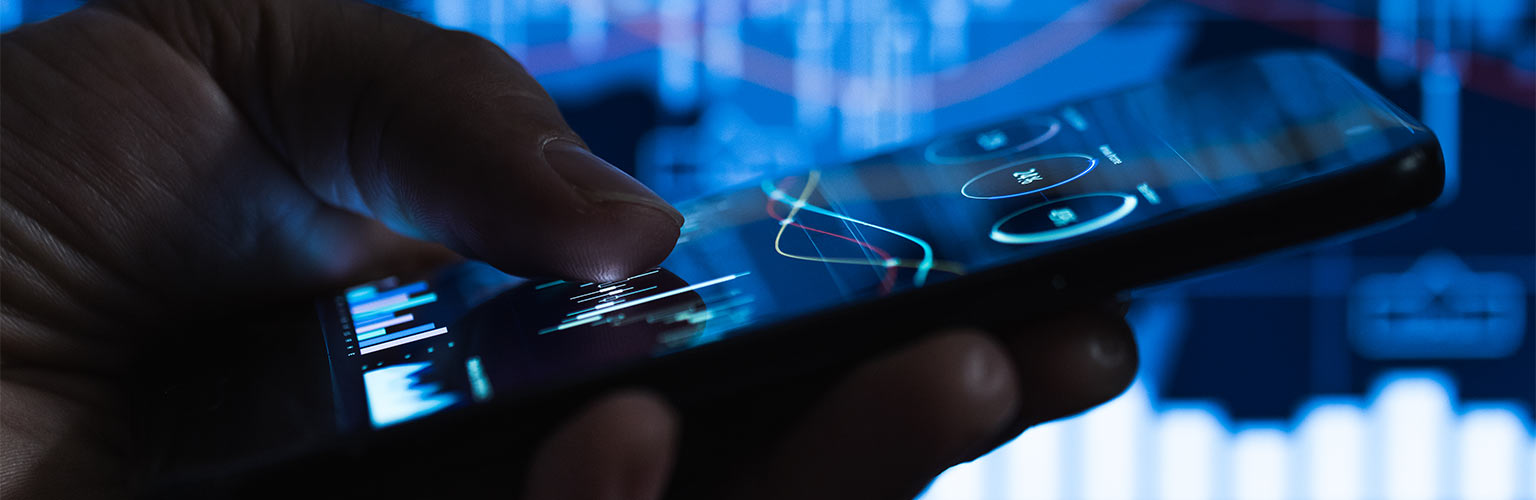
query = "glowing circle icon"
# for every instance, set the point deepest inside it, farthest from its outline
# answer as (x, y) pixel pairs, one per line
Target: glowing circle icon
(993, 142)
(1028, 176)
(1064, 218)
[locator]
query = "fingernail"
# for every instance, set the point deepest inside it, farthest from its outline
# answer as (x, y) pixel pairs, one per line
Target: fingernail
(601, 182)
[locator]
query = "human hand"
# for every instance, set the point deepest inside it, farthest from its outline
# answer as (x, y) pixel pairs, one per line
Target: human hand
(164, 158)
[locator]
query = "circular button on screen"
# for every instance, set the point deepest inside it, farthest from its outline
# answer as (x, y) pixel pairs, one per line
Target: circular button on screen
(1027, 176)
(995, 141)
(1063, 218)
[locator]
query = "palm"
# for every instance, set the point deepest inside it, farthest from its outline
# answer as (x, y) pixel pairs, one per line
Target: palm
(136, 191)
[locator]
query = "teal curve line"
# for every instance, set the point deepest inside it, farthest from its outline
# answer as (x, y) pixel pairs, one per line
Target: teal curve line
(923, 266)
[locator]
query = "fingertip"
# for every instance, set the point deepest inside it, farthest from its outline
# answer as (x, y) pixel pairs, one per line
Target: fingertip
(967, 382)
(577, 218)
(895, 422)
(565, 237)
(643, 237)
(609, 243)
(626, 229)
(1073, 364)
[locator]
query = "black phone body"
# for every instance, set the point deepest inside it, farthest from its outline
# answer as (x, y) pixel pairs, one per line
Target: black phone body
(810, 271)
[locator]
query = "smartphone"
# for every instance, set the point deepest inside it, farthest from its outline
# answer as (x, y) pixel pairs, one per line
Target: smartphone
(421, 379)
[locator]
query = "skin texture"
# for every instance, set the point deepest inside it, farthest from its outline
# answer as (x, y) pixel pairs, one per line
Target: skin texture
(166, 160)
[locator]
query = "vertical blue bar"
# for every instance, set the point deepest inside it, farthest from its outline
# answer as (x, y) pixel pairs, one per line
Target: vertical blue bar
(478, 383)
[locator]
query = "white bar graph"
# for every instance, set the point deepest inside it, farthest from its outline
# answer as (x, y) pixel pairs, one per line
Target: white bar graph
(1413, 416)
(404, 340)
(1530, 469)
(1260, 465)
(1032, 464)
(1489, 455)
(1406, 441)
(1109, 468)
(1191, 444)
(1332, 455)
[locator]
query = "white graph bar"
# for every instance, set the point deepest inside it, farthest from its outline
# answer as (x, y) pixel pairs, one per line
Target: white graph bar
(1260, 465)
(961, 482)
(1406, 441)
(362, 329)
(1530, 469)
(1413, 415)
(1489, 455)
(404, 340)
(1332, 455)
(1033, 464)
(376, 304)
(1190, 446)
(1112, 438)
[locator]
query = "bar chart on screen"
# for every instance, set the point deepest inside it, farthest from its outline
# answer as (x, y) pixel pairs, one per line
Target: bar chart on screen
(407, 391)
(382, 315)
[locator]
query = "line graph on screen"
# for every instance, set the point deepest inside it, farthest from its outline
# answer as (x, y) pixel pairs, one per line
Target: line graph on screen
(871, 255)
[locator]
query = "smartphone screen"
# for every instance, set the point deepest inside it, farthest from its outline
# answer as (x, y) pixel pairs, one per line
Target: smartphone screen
(797, 244)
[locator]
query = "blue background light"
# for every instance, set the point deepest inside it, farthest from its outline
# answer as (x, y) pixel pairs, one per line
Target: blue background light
(1398, 365)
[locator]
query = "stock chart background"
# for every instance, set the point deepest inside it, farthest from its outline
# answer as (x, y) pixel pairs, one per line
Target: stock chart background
(1398, 365)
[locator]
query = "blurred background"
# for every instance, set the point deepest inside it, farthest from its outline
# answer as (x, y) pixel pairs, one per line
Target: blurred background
(1396, 366)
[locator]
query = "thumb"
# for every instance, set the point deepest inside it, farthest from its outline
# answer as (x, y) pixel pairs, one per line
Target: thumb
(438, 134)
(621, 446)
